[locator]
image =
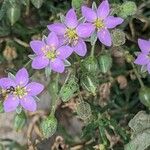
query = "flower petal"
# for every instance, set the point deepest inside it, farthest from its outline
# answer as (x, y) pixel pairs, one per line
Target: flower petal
(57, 65)
(37, 46)
(103, 10)
(11, 103)
(34, 88)
(148, 67)
(144, 45)
(40, 62)
(104, 37)
(52, 40)
(71, 19)
(6, 83)
(85, 30)
(64, 52)
(111, 21)
(89, 14)
(142, 59)
(58, 28)
(22, 77)
(80, 48)
(28, 103)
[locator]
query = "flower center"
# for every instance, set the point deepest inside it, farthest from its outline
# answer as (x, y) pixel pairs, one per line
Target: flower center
(98, 23)
(50, 52)
(20, 91)
(71, 35)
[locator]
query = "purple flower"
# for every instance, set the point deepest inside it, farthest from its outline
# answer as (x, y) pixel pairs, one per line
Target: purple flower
(23, 92)
(144, 56)
(72, 32)
(50, 53)
(102, 21)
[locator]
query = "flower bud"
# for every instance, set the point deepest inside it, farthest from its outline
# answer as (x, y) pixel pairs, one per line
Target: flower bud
(77, 4)
(105, 62)
(37, 3)
(49, 126)
(84, 110)
(144, 96)
(128, 8)
(9, 53)
(90, 64)
(118, 37)
(13, 14)
(68, 89)
(89, 83)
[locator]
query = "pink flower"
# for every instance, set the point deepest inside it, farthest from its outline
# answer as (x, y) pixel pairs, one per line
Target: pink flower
(50, 54)
(144, 56)
(23, 92)
(73, 33)
(101, 21)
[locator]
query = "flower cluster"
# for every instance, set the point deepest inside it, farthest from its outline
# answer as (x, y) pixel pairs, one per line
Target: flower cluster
(19, 91)
(144, 56)
(70, 35)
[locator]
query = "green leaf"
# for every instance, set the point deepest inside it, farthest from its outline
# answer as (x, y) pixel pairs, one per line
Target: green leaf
(69, 88)
(93, 38)
(140, 126)
(49, 126)
(19, 121)
(1, 106)
(47, 72)
(3, 9)
(37, 3)
(13, 14)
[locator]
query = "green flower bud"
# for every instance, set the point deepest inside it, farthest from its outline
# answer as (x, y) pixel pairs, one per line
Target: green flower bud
(118, 37)
(84, 110)
(90, 64)
(49, 126)
(19, 121)
(105, 62)
(144, 96)
(37, 3)
(77, 4)
(89, 83)
(68, 89)
(128, 8)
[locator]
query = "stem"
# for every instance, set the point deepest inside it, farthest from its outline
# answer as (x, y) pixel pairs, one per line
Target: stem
(93, 49)
(137, 75)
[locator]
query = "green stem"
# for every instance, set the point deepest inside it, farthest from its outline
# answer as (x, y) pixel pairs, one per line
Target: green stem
(137, 75)
(93, 49)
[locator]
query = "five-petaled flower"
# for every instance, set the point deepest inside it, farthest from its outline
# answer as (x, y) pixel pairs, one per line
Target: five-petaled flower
(24, 92)
(144, 56)
(101, 21)
(49, 53)
(73, 33)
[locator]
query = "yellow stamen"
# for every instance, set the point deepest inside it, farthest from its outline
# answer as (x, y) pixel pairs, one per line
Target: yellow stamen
(20, 91)
(98, 23)
(72, 36)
